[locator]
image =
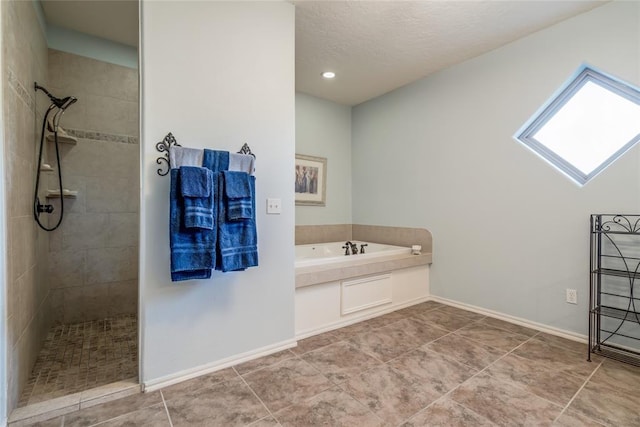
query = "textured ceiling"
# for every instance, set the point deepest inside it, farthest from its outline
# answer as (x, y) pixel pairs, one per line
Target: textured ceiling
(377, 46)
(115, 20)
(373, 46)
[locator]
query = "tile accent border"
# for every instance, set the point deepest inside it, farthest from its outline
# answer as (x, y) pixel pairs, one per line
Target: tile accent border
(102, 136)
(22, 92)
(307, 234)
(399, 236)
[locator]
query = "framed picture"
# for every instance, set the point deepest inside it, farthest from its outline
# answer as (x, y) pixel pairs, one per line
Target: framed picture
(311, 180)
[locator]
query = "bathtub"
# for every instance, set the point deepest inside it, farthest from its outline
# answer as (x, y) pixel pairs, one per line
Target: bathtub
(332, 253)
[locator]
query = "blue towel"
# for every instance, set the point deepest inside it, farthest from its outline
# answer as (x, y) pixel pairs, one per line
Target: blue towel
(195, 184)
(237, 187)
(238, 239)
(192, 249)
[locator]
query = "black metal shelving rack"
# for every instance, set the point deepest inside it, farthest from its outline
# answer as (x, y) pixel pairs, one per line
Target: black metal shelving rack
(614, 302)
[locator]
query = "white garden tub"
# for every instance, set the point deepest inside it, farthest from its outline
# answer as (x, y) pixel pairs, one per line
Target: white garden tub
(333, 253)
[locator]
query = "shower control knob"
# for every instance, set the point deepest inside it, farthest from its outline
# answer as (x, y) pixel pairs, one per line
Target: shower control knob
(40, 208)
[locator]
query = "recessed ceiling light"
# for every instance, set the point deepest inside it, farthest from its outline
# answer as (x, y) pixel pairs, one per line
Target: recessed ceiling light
(328, 74)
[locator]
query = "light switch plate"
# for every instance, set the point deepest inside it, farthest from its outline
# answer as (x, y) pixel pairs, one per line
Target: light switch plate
(274, 206)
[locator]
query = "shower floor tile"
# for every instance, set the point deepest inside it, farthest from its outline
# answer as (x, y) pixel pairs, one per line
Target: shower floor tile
(82, 356)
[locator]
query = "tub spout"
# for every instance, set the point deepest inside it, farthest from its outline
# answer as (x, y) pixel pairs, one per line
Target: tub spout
(346, 248)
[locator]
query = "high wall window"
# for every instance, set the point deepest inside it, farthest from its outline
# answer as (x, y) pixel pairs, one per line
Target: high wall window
(593, 120)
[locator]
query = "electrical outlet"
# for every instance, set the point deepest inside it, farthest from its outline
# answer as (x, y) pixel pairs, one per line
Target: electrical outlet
(572, 296)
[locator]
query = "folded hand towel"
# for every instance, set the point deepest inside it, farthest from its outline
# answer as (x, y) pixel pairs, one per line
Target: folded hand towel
(195, 185)
(195, 181)
(237, 189)
(183, 156)
(193, 250)
(237, 239)
(242, 163)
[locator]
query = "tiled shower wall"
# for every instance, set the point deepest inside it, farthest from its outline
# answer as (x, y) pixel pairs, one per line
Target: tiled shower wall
(93, 256)
(24, 61)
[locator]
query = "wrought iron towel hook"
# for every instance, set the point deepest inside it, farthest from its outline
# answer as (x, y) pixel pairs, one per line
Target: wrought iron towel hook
(170, 141)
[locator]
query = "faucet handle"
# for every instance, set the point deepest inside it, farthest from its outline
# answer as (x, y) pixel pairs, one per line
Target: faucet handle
(346, 249)
(362, 247)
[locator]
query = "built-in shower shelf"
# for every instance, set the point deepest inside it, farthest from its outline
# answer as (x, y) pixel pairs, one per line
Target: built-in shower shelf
(46, 168)
(63, 139)
(67, 194)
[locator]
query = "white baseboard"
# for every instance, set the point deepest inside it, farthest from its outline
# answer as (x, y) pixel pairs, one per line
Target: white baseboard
(341, 324)
(218, 365)
(513, 319)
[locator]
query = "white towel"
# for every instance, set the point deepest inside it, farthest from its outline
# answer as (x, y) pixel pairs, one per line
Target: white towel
(242, 163)
(182, 156)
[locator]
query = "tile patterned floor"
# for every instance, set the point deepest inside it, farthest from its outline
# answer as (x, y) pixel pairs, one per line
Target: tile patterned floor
(82, 356)
(424, 365)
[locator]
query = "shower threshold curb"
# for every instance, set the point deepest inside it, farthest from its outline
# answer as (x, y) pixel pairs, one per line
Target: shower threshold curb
(52, 408)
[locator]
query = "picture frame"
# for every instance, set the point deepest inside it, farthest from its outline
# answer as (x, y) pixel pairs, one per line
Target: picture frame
(310, 180)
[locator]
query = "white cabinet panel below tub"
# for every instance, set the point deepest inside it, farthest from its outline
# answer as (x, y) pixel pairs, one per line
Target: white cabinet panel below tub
(326, 306)
(366, 292)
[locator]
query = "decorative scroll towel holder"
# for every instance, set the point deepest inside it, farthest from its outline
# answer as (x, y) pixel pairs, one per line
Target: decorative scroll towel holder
(170, 141)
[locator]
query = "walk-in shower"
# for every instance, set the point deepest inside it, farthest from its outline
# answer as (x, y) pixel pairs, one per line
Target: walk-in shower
(60, 105)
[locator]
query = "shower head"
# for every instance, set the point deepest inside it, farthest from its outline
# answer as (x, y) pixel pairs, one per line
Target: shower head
(64, 103)
(61, 103)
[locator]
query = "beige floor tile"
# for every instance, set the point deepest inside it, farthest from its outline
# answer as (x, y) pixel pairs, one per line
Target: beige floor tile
(510, 327)
(153, 416)
(286, 383)
(331, 408)
(313, 343)
(420, 308)
(474, 354)
(445, 320)
(494, 337)
(109, 410)
(262, 362)
(504, 403)
(265, 422)
(228, 403)
(390, 394)
(384, 320)
(558, 358)
(610, 406)
(198, 384)
(447, 413)
(576, 346)
(421, 332)
(618, 376)
(455, 311)
(340, 361)
(574, 419)
(436, 372)
(536, 378)
(351, 331)
(385, 343)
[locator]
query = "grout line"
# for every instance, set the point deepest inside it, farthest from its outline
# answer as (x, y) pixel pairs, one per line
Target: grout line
(260, 400)
(166, 408)
(578, 392)
(468, 379)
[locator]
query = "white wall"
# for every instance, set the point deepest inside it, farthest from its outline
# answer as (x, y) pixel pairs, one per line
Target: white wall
(510, 233)
(217, 75)
(323, 128)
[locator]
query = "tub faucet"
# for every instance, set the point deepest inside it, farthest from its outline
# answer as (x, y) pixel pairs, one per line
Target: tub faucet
(346, 248)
